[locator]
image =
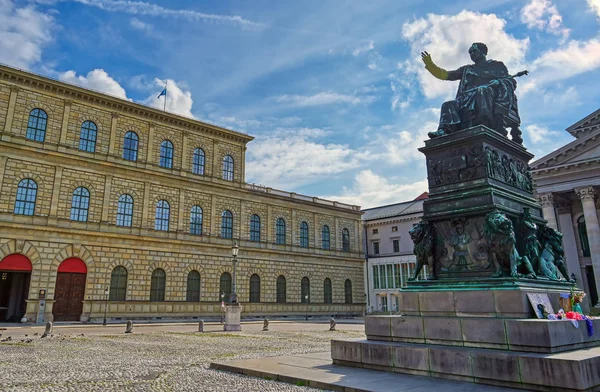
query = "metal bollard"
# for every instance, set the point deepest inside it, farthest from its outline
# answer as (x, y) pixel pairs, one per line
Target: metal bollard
(266, 325)
(201, 326)
(332, 324)
(48, 330)
(129, 327)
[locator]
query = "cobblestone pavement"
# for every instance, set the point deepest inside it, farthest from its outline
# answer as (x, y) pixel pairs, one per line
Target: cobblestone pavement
(152, 361)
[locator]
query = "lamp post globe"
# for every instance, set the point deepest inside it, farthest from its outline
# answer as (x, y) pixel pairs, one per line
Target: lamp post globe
(105, 304)
(306, 301)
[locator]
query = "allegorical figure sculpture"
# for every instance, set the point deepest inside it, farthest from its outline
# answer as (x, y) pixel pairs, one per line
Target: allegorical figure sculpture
(423, 237)
(552, 257)
(486, 95)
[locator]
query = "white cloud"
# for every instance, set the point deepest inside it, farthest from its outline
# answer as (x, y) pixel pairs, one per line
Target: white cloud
(143, 8)
(179, 99)
(323, 98)
(364, 48)
(543, 15)
(23, 34)
(371, 190)
(595, 6)
(573, 59)
(97, 80)
(448, 38)
(141, 26)
(291, 157)
(540, 134)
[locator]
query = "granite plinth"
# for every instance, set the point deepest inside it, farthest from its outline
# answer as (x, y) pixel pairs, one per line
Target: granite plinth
(568, 371)
(233, 314)
(540, 336)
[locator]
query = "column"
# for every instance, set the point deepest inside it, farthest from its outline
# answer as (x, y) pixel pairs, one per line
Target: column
(146, 205)
(215, 163)
(316, 231)
(547, 202)
(113, 133)
(270, 237)
(587, 196)
(185, 153)
(151, 127)
(214, 219)
(565, 224)
(295, 226)
(243, 168)
(106, 203)
(180, 220)
(337, 234)
(12, 103)
(2, 168)
(56, 192)
(65, 122)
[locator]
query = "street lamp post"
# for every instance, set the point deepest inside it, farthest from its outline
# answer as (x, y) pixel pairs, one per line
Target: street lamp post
(306, 301)
(105, 304)
(222, 307)
(234, 251)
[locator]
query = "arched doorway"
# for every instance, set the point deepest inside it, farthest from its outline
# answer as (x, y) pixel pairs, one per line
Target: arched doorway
(70, 290)
(15, 273)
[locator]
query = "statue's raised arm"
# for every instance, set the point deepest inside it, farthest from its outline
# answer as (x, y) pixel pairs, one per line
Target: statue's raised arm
(485, 96)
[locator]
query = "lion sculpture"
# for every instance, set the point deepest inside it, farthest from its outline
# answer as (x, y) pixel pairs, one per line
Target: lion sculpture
(552, 261)
(423, 237)
(499, 232)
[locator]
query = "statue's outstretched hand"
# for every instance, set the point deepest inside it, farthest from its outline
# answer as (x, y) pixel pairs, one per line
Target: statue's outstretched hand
(426, 57)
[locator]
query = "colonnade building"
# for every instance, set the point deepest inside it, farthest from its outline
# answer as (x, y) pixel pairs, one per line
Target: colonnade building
(108, 204)
(568, 185)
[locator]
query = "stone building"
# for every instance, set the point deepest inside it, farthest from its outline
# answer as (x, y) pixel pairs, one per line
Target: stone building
(110, 205)
(389, 251)
(567, 182)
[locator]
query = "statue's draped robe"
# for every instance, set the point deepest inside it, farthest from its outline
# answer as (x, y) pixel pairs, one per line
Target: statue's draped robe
(476, 99)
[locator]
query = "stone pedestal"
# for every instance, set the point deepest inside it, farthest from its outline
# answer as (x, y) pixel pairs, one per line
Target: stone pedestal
(233, 313)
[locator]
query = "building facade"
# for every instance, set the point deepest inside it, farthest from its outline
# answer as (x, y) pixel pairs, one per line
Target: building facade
(108, 205)
(568, 183)
(389, 252)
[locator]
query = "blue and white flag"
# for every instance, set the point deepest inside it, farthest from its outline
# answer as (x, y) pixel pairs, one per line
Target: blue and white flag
(164, 92)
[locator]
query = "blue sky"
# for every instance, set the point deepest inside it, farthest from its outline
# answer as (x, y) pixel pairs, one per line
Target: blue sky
(333, 91)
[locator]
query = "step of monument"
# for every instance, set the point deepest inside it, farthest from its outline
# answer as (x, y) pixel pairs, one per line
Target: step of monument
(528, 335)
(571, 371)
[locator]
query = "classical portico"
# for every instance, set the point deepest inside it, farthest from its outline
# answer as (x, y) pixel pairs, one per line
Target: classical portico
(568, 187)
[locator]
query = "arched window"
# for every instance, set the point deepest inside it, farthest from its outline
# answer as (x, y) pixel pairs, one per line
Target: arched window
(226, 224)
(255, 228)
(305, 290)
(26, 197)
(80, 204)
(163, 214)
(304, 235)
(325, 237)
(198, 162)
(280, 231)
(327, 291)
(125, 210)
(118, 284)
(196, 220)
(225, 286)
(130, 146)
(87, 136)
(281, 289)
(254, 288)
(346, 240)
(166, 154)
(348, 291)
(36, 126)
(228, 168)
(193, 287)
(157, 285)
(583, 237)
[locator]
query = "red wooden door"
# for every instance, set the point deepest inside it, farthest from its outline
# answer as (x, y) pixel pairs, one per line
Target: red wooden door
(69, 293)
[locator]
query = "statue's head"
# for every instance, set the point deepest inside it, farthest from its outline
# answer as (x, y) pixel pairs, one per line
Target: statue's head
(478, 51)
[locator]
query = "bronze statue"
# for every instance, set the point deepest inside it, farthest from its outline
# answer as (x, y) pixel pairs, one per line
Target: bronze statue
(552, 257)
(486, 95)
(531, 245)
(498, 231)
(423, 237)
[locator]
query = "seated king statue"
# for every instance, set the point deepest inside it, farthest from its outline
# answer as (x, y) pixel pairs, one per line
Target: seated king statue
(486, 95)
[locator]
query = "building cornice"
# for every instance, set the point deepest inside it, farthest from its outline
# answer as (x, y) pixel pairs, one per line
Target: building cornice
(19, 78)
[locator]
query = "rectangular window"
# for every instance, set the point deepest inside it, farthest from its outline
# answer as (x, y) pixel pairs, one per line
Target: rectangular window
(375, 248)
(384, 304)
(390, 276)
(405, 273)
(382, 279)
(375, 231)
(396, 244)
(394, 228)
(397, 278)
(376, 277)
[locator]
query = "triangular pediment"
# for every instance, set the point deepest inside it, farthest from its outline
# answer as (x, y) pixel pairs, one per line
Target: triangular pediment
(584, 149)
(585, 125)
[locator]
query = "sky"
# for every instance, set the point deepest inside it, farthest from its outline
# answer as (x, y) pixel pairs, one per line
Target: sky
(334, 92)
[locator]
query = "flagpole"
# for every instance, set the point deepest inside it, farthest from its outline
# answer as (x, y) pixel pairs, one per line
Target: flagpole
(165, 104)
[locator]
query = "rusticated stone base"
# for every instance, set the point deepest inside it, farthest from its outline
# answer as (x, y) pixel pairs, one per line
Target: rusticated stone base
(568, 371)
